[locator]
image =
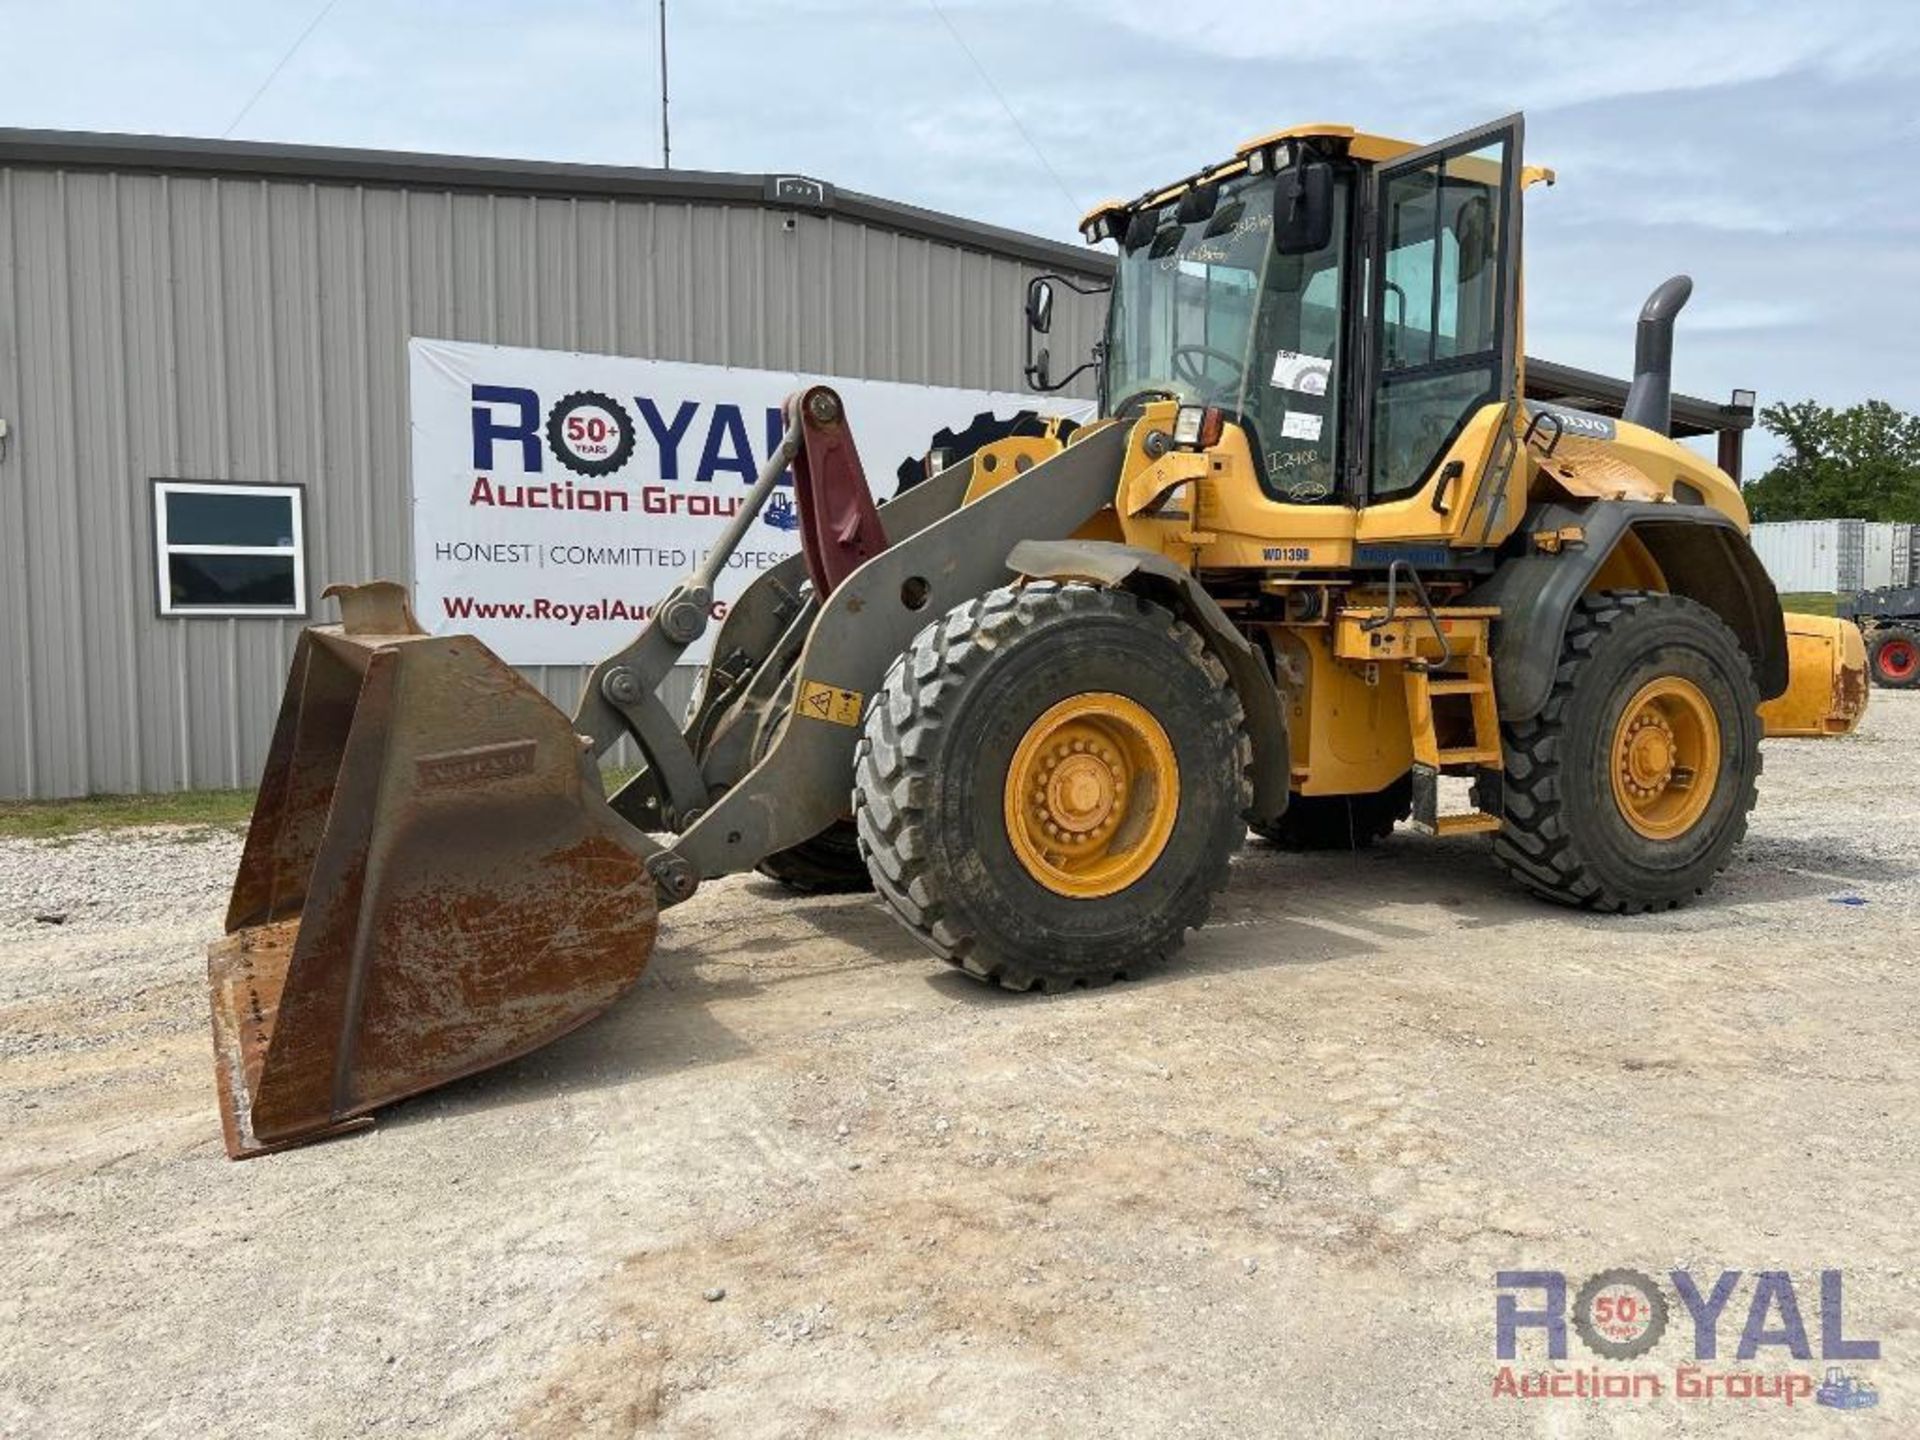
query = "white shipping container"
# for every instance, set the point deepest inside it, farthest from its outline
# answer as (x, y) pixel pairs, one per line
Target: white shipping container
(1813, 556)
(1906, 555)
(1879, 568)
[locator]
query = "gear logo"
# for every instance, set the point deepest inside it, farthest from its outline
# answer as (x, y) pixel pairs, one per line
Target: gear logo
(590, 433)
(1620, 1314)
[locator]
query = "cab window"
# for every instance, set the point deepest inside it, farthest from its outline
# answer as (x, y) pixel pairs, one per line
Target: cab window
(1437, 304)
(1292, 396)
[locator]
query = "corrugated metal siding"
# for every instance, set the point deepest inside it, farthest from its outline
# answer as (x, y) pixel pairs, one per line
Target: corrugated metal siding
(201, 327)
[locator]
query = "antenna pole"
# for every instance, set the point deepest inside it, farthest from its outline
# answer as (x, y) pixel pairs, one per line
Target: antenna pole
(666, 147)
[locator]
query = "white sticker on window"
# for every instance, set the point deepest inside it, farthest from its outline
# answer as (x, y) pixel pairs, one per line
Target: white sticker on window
(1305, 373)
(1299, 425)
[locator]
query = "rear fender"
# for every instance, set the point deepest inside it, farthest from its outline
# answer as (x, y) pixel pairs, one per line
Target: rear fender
(1700, 552)
(1151, 574)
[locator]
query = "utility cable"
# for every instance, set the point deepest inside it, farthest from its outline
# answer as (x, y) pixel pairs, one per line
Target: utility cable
(1078, 208)
(281, 64)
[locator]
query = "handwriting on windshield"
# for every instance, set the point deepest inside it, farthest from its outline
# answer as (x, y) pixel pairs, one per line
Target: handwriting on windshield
(1217, 249)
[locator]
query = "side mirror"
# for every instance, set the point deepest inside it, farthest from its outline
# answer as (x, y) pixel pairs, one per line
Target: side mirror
(1039, 368)
(1303, 209)
(1040, 306)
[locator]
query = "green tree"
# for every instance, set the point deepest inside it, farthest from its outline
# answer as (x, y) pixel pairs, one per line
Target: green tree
(1862, 462)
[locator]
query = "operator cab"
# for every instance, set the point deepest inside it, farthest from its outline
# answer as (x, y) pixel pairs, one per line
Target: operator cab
(1349, 301)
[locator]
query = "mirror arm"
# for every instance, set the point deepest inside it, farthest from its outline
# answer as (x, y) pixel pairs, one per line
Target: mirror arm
(1064, 380)
(1097, 287)
(1091, 287)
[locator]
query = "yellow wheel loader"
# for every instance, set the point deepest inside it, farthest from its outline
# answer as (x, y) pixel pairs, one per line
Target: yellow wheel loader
(1322, 566)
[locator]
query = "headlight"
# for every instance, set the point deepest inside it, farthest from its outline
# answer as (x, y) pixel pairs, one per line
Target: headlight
(1198, 427)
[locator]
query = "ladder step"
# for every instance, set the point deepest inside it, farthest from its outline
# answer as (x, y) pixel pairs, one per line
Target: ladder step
(1471, 823)
(1471, 755)
(1458, 687)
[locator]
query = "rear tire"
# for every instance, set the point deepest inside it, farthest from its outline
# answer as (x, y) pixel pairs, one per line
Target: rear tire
(1893, 657)
(1340, 822)
(942, 776)
(1569, 835)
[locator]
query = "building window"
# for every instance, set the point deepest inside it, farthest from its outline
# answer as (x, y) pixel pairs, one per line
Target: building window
(229, 549)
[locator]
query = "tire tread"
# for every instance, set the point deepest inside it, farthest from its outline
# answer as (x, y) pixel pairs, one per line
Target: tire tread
(1536, 845)
(893, 765)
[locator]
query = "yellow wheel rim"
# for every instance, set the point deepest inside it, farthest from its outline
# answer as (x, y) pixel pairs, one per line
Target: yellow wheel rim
(1665, 757)
(1092, 795)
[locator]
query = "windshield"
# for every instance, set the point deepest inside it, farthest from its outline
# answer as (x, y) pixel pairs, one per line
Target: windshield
(1206, 311)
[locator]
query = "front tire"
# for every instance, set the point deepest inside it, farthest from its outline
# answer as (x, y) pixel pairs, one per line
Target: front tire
(1051, 785)
(1630, 788)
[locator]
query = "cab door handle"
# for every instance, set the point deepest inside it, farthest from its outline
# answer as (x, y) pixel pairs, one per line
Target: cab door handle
(1449, 473)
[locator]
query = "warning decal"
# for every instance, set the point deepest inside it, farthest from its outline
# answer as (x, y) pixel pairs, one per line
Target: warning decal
(829, 702)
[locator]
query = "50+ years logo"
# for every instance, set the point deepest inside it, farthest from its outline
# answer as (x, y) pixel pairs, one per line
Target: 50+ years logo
(590, 433)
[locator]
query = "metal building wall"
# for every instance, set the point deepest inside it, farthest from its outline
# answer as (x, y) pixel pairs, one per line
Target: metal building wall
(195, 326)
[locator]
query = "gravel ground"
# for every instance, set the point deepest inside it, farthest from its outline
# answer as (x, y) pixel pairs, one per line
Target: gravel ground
(1263, 1192)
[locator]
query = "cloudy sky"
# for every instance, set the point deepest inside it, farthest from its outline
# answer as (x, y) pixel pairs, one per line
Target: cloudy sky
(1768, 147)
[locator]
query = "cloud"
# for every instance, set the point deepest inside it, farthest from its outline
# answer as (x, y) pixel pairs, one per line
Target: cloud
(1759, 145)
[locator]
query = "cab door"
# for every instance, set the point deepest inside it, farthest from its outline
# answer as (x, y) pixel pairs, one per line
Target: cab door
(1442, 347)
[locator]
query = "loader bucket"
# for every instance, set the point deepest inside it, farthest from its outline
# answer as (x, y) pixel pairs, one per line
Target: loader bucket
(432, 883)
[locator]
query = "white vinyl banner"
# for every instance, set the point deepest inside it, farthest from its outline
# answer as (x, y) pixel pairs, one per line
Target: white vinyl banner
(557, 496)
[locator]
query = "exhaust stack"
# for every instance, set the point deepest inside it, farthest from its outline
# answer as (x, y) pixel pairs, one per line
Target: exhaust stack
(1650, 398)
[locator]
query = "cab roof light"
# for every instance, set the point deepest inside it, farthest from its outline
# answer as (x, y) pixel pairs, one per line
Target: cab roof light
(1105, 221)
